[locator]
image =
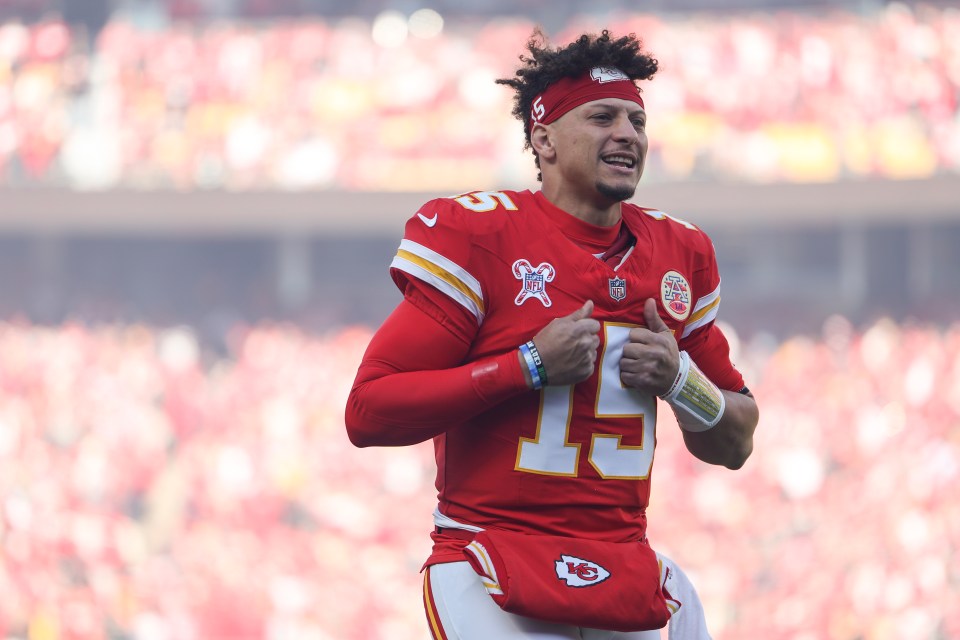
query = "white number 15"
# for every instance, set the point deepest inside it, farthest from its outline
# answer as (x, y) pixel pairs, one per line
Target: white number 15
(550, 452)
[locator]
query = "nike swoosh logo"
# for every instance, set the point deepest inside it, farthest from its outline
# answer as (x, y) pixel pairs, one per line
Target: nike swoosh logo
(428, 221)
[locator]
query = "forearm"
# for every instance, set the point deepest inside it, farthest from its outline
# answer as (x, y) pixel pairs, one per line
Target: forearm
(393, 409)
(730, 441)
(717, 424)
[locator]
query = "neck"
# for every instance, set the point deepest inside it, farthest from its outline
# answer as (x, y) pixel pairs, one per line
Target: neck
(602, 213)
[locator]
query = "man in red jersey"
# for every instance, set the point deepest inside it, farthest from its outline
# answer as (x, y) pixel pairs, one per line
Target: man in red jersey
(537, 331)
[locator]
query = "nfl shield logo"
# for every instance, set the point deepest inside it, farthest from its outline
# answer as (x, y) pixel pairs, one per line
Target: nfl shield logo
(618, 289)
(533, 283)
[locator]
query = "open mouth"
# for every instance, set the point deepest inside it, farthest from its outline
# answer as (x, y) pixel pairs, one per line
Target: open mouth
(619, 160)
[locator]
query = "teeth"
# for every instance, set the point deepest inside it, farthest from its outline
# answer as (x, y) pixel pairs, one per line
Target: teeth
(624, 160)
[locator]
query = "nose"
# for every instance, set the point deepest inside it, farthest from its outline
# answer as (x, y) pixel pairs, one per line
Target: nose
(624, 129)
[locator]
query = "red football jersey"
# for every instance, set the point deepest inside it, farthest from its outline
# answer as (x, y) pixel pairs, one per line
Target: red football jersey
(573, 460)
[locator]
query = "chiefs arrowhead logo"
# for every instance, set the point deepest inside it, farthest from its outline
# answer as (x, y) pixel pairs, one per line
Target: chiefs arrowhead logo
(577, 572)
(607, 74)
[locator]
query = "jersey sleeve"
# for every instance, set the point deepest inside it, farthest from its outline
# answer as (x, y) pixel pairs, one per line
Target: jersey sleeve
(701, 337)
(434, 261)
(411, 384)
(417, 379)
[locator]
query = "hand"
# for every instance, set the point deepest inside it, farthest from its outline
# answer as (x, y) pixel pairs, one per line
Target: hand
(651, 358)
(568, 346)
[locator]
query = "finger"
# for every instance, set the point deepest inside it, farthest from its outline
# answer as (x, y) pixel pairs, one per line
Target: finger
(633, 350)
(641, 335)
(583, 312)
(652, 319)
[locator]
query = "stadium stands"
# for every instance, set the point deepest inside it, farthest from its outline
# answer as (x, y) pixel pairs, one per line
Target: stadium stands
(318, 103)
(151, 491)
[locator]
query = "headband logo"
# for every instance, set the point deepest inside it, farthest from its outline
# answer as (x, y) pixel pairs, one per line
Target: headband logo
(538, 109)
(607, 74)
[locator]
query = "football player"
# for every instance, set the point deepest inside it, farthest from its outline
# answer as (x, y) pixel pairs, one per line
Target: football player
(538, 331)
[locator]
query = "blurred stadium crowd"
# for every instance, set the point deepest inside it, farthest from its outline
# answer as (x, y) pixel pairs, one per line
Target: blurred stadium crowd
(399, 102)
(151, 494)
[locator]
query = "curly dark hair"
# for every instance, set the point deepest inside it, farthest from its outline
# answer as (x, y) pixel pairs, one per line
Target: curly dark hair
(545, 66)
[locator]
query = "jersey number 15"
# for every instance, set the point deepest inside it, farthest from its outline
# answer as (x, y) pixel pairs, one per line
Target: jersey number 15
(550, 452)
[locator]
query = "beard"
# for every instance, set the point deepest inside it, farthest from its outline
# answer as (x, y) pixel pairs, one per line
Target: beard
(616, 193)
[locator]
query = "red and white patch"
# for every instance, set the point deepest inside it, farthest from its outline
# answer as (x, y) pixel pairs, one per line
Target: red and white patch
(675, 295)
(577, 572)
(534, 281)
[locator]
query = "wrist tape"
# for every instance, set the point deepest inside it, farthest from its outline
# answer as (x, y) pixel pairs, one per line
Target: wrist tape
(696, 395)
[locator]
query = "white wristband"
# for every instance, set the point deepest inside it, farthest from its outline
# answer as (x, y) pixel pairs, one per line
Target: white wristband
(696, 395)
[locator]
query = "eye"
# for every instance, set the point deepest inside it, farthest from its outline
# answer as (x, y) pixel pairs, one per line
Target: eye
(602, 117)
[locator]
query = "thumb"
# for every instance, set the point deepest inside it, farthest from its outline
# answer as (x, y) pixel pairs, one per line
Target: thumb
(583, 312)
(652, 319)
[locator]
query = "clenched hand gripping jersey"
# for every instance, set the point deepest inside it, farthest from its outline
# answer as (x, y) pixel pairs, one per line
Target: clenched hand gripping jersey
(571, 460)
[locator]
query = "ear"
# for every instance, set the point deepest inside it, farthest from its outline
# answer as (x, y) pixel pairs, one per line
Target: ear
(541, 139)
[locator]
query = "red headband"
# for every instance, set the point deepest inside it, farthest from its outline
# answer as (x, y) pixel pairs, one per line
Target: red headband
(567, 93)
